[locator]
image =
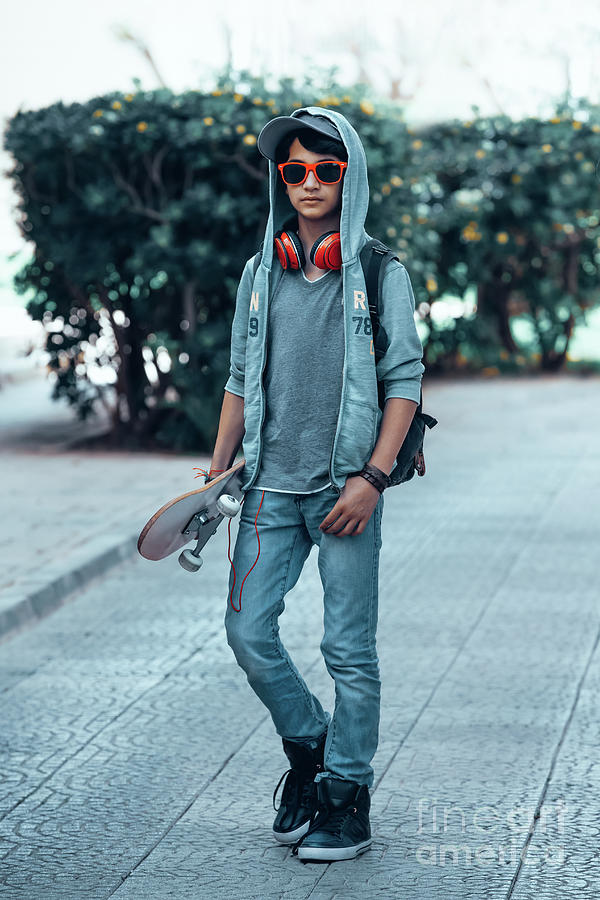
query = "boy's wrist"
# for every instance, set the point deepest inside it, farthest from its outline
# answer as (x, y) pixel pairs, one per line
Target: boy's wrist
(373, 475)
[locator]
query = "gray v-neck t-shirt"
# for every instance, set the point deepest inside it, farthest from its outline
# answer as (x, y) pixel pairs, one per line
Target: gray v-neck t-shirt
(302, 381)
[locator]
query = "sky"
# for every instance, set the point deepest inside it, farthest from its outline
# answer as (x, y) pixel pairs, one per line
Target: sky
(514, 57)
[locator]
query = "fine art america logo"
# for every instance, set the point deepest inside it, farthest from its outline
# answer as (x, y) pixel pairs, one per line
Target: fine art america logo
(489, 836)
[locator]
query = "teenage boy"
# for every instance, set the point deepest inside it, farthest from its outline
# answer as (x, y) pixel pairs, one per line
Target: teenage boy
(302, 400)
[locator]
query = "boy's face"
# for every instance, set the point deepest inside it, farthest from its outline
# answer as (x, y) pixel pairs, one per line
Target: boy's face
(312, 199)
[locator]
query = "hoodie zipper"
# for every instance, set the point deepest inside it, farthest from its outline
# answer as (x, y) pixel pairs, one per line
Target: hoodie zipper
(263, 393)
(334, 485)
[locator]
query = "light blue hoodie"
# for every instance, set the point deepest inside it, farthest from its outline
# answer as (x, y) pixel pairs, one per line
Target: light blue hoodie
(400, 368)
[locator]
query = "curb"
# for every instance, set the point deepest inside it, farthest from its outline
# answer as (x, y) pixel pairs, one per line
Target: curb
(32, 599)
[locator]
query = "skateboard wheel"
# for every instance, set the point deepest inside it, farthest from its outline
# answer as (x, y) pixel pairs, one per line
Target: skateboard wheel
(189, 562)
(228, 505)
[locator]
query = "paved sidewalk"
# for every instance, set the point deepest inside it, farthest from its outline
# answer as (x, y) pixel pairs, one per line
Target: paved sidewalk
(137, 763)
(68, 516)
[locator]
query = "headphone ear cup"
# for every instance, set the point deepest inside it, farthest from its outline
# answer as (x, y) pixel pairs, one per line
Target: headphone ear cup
(326, 251)
(289, 249)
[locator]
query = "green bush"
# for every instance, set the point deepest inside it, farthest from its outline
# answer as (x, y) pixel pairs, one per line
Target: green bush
(143, 207)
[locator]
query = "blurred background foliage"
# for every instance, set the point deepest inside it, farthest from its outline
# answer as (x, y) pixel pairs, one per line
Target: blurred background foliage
(142, 209)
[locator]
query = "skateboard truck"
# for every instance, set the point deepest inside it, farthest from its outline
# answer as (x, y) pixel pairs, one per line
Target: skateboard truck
(193, 516)
(229, 506)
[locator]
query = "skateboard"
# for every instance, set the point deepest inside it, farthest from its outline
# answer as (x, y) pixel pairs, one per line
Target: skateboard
(192, 516)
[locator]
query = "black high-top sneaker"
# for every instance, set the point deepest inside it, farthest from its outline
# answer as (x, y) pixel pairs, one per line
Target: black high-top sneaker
(340, 829)
(299, 795)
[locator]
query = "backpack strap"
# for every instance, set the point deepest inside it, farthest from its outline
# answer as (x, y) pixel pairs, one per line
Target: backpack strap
(374, 256)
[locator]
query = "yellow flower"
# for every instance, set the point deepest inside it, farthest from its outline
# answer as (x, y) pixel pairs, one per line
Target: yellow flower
(422, 220)
(346, 98)
(240, 129)
(386, 189)
(515, 179)
(141, 126)
(208, 120)
(396, 180)
(117, 104)
(488, 371)
(596, 128)
(555, 120)
(431, 285)
(579, 155)
(480, 154)
(297, 105)
(576, 123)
(502, 237)
(238, 98)
(97, 113)
(257, 101)
(468, 123)
(406, 218)
(334, 101)
(417, 144)
(556, 226)
(367, 107)
(250, 139)
(271, 102)
(547, 148)
(504, 354)
(129, 97)
(216, 93)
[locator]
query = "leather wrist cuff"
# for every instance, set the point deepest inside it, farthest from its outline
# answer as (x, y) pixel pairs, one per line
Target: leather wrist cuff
(375, 476)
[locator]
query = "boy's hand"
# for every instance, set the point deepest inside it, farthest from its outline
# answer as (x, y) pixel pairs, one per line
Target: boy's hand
(353, 509)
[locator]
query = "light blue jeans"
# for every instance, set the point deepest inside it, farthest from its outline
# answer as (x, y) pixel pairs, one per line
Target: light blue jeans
(288, 526)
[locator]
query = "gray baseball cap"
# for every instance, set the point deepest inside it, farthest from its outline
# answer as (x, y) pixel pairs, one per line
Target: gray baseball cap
(276, 129)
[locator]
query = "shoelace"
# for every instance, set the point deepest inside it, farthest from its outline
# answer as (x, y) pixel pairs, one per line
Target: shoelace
(291, 787)
(325, 819)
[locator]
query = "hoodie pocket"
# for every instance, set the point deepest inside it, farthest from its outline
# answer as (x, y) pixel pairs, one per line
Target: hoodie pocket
(357, 437)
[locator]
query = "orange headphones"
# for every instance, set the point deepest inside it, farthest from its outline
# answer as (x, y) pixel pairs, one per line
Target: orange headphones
(326, 252)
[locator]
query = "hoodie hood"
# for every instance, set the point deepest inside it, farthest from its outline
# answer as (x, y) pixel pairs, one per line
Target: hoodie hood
(355, 193)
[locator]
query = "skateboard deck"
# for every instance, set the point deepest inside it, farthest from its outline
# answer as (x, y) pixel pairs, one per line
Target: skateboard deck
(192, 516)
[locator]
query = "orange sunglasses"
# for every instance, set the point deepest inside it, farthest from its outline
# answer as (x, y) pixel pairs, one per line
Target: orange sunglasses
(295, 173)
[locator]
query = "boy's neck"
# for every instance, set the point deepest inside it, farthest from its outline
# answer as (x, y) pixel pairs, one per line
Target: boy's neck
(310, 229)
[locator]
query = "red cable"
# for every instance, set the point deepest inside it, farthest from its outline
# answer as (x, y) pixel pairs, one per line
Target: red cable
(202, 471)
(239, 608)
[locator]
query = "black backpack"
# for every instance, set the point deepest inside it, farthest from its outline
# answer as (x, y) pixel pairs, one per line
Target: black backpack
(410, 459)
(373, 257)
